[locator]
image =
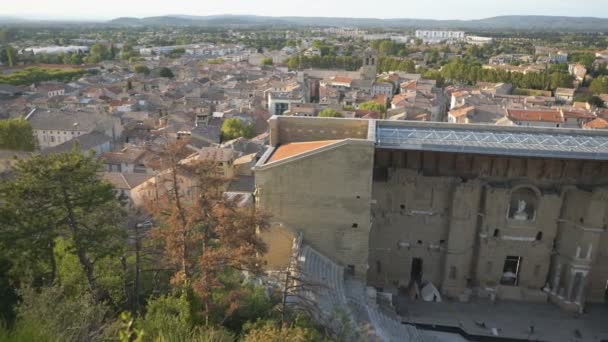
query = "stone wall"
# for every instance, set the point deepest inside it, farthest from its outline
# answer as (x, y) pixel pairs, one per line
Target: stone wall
(285, 130)
(326, 195)
(460, 215)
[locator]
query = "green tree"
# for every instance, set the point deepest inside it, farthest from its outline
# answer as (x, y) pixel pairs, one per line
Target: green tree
(127, 52)
(8, 55)
(407, 65)
(330, 113)
(596, 101)
(373, 106)
(98, 53)
(5, 35)
(599, 85)
(267, 61)
(584, 58)
(561, 80)
(166, 72)
(35, 75)
(52, 315)
(234, 128)
(76, 59)
(272, 332)
(61, 195)
(16, 134)
(141, 69)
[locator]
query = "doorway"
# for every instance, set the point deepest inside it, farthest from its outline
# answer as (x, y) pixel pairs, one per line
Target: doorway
(510, 272)
(416, 270)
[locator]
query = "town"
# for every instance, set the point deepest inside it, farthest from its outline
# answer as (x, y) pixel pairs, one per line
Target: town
(306, 182)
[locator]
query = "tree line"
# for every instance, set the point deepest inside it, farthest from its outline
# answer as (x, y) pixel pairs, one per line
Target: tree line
(32, 75)
(460, 71)
(78, 264)
(97, 53)
(325, 62)
(16, 135)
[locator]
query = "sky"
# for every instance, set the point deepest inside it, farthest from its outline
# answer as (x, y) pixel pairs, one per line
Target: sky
(428, 9)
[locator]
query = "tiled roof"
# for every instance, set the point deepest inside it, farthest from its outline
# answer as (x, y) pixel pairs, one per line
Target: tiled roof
(125, 181)
(598, 123)
(462, 111)
(292, 149)
(84, 142)
(342, 79)
(565, 91)
(217, 154)
(578, 114)
(128, 156)
(535, 115)
(59, 120)
(411, 85)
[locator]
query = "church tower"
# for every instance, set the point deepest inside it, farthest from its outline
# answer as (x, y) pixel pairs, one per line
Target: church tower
(369, 69)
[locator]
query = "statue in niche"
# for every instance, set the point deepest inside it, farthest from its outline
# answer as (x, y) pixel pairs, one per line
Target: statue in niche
(521, 214)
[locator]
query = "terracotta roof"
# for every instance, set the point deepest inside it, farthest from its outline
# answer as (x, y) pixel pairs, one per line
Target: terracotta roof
(535, 115)
(598, 123)
(380, 99)
(292, 149)
(342, 79)
(411, 85)
(362, 113)
(578, 114)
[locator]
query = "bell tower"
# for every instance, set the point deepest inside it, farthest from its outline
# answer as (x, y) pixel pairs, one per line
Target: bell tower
(369, 69)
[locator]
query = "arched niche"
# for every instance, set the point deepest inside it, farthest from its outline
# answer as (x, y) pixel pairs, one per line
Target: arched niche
(523, 204)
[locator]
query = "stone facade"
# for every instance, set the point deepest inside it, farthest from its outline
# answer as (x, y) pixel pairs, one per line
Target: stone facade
(326, 196)
(523, 228)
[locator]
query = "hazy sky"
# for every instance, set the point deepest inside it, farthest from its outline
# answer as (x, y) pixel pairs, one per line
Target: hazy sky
(432, 9)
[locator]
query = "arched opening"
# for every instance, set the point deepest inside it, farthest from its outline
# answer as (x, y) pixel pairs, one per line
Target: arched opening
(523, 205)
(539, 236)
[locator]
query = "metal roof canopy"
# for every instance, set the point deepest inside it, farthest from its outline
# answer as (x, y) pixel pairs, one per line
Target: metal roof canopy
(493, 140)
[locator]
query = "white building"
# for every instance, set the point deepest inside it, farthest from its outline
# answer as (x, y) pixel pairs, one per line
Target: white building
(54, 50)
(312, 52)
(477, 40)
(282, 95)
(53, 128)
(382, 88)
(430, 36)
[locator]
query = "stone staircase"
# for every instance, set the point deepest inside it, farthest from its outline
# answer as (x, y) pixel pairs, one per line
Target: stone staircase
(334, 294)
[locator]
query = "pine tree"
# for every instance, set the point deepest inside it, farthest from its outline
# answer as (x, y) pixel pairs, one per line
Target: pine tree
(61, 195)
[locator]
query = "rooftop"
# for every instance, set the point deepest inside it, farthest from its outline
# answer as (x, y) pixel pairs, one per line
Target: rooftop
(292, 149)
(495, 140)
(218, 154)
(535, 115)
(60, 120)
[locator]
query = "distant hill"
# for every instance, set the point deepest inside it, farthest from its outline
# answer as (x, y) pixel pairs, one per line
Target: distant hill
(9, 20)
(515, 22)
